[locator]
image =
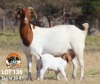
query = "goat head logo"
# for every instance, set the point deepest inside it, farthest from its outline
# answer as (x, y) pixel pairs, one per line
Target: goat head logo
(13, 60)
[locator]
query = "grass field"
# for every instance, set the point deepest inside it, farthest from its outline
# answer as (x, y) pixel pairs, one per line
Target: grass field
(9, 43)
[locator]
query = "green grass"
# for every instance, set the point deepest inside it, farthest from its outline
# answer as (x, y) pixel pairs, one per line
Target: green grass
(9, 41)
(93, 42)
(93, 72)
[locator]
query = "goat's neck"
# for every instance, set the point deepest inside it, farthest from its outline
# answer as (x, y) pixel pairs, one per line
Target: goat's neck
(26, 33)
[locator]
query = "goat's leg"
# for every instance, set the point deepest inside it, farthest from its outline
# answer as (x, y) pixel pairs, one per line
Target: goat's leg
(75, 66)
(78, 50)
(38, 67)
(63, 73)
(57, 75)
(37, 53)
(29, 66)
(81, 62)
(42, 71)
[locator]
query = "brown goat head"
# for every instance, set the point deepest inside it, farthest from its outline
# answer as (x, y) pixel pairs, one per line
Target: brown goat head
(25, 14)
(68, 56)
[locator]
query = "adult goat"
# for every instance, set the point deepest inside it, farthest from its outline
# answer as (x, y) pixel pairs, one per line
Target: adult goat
(56, 40)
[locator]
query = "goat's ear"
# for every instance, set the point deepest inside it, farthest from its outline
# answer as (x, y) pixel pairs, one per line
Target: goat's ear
(63, 57)
(68, 57)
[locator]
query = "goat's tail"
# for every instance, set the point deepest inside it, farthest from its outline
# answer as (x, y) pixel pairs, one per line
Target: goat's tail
(86, 26)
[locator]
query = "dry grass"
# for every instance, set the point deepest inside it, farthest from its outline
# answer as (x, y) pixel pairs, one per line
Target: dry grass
(92, 68)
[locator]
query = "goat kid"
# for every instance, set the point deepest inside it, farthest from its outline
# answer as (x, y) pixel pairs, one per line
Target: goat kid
(58, 64)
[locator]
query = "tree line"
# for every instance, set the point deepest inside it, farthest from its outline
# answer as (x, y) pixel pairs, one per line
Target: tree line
(88, 9)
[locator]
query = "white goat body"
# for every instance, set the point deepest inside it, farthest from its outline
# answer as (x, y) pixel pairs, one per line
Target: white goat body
(56, 41)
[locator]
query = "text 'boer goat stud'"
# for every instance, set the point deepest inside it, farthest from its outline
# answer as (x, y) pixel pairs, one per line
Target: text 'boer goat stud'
(55, 40)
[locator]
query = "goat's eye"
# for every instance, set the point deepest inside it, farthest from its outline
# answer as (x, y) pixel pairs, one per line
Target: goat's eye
(22, 16)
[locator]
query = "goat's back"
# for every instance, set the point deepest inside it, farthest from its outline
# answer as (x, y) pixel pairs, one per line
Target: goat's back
(55, 40)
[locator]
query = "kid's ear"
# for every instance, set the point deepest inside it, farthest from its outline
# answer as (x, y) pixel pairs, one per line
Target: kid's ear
(63, 56)
(68, 57)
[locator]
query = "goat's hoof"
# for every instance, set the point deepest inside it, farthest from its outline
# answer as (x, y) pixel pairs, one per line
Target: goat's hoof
(57, 79)
(73, 77)
(31, 79)
(82, 78)
(37, 78)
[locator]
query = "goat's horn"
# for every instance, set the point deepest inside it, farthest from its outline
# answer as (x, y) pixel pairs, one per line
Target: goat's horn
(16, 16)
(19, 8)
(33, 11)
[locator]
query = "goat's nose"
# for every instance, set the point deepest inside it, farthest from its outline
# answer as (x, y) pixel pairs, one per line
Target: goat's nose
(26, 20)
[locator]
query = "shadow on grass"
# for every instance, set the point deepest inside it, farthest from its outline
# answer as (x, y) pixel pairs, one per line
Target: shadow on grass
(49, 78)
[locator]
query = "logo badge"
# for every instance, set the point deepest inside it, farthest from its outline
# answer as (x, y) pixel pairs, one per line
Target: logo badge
(13, 60)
